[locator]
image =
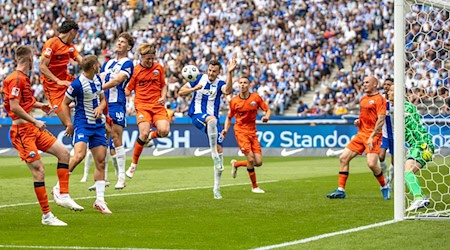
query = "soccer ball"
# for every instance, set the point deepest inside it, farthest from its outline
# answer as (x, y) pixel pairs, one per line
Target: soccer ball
(190, 73)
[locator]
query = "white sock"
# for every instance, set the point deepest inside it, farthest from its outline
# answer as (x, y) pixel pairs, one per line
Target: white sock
(114, 161)
(217, 178)
(391, 174)
(121, 160)
(106, 166)
(383, 166)
(221, 158)
(87, 163)
(100, 190)
(212, 135)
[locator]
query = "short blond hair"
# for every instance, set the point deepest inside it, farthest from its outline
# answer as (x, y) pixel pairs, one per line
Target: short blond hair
(23, 52)
(88, 62)
(146, 48)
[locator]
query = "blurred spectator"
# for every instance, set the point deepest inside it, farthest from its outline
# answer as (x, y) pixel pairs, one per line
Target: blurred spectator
(302, 109)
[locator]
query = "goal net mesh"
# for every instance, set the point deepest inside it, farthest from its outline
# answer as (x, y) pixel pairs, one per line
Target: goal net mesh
(427, 66)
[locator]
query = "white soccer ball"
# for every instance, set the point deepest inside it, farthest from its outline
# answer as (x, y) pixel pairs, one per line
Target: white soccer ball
(190, 73)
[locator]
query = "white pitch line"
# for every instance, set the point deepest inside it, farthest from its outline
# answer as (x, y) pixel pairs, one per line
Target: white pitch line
(139, 193)
(323, 236)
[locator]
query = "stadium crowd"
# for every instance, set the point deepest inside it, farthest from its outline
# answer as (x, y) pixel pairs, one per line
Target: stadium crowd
(287, 47)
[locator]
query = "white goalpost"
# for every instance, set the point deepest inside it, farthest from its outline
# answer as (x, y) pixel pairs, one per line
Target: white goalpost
(422, 52)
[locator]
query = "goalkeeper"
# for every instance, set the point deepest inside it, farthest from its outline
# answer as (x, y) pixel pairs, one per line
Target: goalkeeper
(420, 152)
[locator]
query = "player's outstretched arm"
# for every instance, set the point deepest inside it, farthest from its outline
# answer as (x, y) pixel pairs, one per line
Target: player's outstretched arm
(229, 81)
(187, 89)
(226, 127)
(121, 77)
(43, 68)
(43, 106)
(266, 117)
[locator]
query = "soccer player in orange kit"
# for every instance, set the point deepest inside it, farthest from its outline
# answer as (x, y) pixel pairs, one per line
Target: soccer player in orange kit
(245, 107)
(149, 84)
(56, 54)
(369, 137)
(28, 135)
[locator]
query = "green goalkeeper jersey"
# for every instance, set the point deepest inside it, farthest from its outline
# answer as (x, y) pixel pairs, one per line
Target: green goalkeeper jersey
(416, 134)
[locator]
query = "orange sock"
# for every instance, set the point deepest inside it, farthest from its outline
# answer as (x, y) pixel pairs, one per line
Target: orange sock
(138, 147)
(154, 134)
(41, 194)
(241, 163)
(63, 177)
(342, 179)
(380, 179)
(252, 175)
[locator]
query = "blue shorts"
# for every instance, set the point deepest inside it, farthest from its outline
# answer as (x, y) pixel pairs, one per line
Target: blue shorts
(199, 121)
(117, 113)
(93, 136)
(388, 143)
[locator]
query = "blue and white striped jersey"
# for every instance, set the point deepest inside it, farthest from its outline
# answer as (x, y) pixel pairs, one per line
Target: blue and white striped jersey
(207, 99)
(86, 95)
(112, 68)
(387, 126)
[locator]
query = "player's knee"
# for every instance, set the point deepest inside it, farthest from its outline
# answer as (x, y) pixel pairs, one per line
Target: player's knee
(144, 135)
(212, 122)
(343, 159)
(163, 132)
(63, 156)
(258, 163)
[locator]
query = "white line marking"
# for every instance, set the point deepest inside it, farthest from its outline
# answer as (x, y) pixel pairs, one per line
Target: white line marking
(323, 236)
(139, 193)
(74, 247)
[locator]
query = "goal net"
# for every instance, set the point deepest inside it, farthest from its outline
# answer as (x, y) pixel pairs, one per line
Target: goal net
(425, 51)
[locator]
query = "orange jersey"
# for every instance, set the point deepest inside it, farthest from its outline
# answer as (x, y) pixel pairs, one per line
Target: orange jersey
(245, 112)
(371, 107)
(17, 86)
(147, 84)
(59, 54)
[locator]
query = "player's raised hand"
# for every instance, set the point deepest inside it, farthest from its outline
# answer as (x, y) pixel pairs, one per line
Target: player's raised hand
(46, 108)
(69, 130)
(232, 64)
(40, 125)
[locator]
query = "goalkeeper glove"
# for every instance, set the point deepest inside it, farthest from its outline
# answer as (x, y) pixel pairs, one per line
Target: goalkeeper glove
(427, 155)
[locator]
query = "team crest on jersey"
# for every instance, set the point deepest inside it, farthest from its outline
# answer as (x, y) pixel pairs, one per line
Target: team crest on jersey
(55, 107)
(32, 154)
(71, 49)
(48, 51)
(253, 103)
(242, 150)
(371, 102)
(155, 72)
(15, 91)
(140, 117)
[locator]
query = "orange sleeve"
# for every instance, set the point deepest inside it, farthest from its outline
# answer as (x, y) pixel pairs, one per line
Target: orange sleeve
(47, 50)
(162, 79)
(132, 83)
(16, 87)
(381, 109)
(232, 111)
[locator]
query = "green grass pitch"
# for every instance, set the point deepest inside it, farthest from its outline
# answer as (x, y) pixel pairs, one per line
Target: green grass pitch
(169, 205)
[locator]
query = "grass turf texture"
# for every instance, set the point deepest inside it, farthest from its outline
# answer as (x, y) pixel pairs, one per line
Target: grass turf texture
(176, 209)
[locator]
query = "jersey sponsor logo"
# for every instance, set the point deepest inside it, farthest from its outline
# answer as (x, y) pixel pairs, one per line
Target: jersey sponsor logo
(199, 152)
(285, 152)
(70, 90)
(15, 91)
(159, 152)
(48, 51)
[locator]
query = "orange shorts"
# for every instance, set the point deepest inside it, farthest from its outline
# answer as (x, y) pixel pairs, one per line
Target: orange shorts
(55, 95)
(359, 144)
(152, 115)
(248, 143)
(28, 139)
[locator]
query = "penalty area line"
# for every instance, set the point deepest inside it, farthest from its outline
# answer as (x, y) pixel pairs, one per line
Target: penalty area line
(139, 193)
(323, 236)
